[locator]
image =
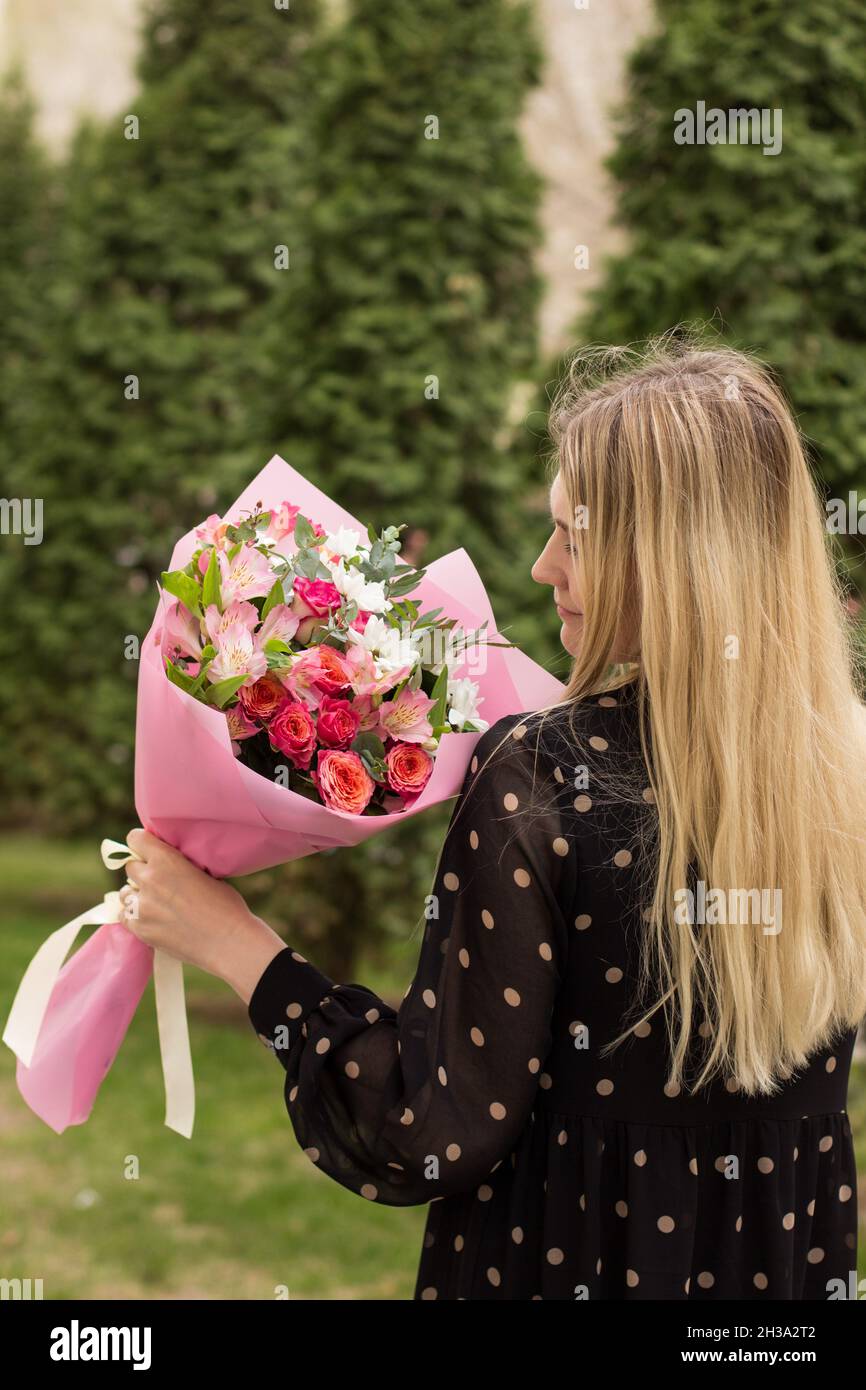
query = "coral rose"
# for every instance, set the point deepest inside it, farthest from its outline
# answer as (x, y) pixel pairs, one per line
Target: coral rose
(262, 699)
(343, 782)
(293, 732)
(408, 768)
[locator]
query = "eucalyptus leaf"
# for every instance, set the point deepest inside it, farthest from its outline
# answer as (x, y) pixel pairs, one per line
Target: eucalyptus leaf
(304, 533)
(369, 743)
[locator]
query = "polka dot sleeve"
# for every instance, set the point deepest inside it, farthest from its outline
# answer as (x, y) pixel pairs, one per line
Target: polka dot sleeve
(410, 1105)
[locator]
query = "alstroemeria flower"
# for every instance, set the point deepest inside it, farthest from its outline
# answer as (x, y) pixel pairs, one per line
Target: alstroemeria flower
(181, 633)
(282, 522)
(367, 712)
(405, 718)
(316, 672)
(236, 655)
(365, 676)
(240, 726)
(281, 622)
(212, 531)
(248, 575)
(217, 623)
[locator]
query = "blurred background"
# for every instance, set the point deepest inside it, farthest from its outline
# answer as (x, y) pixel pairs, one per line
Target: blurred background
(362, 234)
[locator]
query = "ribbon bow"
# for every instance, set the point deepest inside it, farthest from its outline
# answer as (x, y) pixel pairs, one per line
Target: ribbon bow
(34, 993)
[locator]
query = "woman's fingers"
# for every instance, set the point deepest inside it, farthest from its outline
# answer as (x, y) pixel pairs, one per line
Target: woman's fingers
(136, 871)
(142, 843)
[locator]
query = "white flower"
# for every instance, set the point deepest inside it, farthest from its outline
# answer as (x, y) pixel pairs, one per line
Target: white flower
(352, 584)
(388, 645)
(346, 542)
(463, 702)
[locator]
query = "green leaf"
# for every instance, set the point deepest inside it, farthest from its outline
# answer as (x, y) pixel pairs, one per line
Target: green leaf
(222, 691)
(278, 661)
(405, 584)
(275, 597)
(183, 587)
(276, 644)
(369, 743)
(179, 677)
(210, 589)
(304, 534)
(427, 618)
(439, 694)
(306, 563)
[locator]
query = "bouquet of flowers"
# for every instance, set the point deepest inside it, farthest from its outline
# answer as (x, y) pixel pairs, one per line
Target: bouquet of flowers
(333, 680)
(292, 698)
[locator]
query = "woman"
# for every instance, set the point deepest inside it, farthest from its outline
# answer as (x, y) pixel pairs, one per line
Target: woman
(621, 1068)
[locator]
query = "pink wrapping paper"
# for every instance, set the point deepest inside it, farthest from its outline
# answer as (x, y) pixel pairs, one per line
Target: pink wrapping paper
(192, 792)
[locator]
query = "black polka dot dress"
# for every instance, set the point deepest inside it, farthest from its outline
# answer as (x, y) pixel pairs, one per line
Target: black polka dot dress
(554, 1171)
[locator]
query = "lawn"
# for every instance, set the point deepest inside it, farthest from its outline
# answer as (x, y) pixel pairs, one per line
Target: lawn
(234, 1213)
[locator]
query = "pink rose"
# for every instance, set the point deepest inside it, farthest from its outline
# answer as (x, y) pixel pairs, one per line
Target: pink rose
(314, 596)
(343, 782)
(361, 621)
(337, 722)
(313, 600)
(293, 732)
(409, 769)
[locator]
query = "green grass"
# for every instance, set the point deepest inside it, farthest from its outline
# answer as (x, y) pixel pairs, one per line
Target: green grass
(233, 1213)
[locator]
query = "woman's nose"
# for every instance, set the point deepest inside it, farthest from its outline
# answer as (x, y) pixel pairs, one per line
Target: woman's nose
(542, 571)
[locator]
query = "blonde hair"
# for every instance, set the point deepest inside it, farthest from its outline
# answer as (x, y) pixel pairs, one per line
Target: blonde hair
(703, 521)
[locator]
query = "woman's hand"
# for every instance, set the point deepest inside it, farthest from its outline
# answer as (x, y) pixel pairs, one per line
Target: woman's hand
(177, 908)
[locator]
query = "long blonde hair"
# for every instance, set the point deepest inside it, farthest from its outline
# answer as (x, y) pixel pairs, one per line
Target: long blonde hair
(702, 518)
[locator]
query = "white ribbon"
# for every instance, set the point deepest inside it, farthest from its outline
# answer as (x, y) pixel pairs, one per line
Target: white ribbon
(34, 992)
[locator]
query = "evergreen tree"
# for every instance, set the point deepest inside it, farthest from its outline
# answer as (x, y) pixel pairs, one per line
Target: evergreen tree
(772, 246)
(144, 409)
(410, 328)
(414, 296)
